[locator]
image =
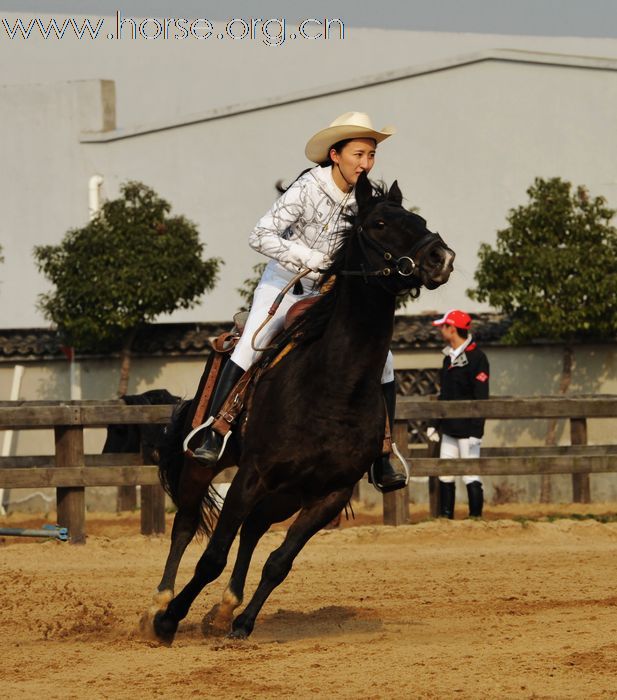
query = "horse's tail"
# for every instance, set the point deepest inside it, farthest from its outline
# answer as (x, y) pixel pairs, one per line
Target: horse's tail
(171, 462)
(171, 458)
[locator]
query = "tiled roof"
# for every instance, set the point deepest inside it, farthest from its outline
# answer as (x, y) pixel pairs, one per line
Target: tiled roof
(191, 339)
(417, 331)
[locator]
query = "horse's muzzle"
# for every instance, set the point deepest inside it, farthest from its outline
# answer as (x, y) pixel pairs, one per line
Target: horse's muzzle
(437, 266)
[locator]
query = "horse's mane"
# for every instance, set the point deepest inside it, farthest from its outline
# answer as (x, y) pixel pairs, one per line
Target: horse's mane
(313, 322)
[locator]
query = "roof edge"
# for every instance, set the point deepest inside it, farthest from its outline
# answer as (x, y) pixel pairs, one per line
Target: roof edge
(192, 340)
(505, 55)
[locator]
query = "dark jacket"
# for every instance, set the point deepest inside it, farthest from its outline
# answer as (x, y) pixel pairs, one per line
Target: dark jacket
(466, 379)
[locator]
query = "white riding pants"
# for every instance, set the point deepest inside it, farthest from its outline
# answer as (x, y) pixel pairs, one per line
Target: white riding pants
(459, 448)
(265, 294)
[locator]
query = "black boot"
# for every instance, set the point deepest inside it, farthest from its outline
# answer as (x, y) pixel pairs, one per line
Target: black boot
(386, 477)
(475, 494)
(210, 448)
(447, 494)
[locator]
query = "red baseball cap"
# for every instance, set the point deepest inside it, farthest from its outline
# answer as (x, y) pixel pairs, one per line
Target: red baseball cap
(456, 318)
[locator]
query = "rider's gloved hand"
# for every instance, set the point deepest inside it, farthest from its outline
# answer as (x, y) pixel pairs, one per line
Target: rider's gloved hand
(432, 434)
(302, 256)
(317, 261)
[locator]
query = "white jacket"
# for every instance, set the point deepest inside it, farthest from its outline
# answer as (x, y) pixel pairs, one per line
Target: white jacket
(308, 217)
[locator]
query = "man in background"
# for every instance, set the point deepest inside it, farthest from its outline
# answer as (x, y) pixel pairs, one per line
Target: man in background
(464, 376)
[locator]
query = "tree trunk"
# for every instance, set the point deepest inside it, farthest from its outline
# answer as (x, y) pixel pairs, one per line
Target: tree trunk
(125, 365)
(551, 432)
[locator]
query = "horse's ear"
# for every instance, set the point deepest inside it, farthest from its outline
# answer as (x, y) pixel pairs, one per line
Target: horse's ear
(364, 190)
(394, 193)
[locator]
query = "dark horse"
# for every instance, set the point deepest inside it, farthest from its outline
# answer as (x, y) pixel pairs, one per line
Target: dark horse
(316, 418)
(125, 437)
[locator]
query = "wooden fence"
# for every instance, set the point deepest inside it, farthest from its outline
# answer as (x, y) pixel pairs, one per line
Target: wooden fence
(578, 459)
(70, 471)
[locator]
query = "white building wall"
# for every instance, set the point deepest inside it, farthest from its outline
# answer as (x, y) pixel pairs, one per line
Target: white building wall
(471, 139)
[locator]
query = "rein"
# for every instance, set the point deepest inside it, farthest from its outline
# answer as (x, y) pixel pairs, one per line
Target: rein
(273, 309)
(404, 265)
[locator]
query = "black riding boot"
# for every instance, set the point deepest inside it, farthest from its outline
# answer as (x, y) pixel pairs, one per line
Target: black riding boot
(210, 448)
(447, 494)
(475, 494)
(387, 478)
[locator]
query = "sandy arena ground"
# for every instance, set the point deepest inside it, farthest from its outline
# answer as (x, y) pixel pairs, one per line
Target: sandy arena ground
(499, 608)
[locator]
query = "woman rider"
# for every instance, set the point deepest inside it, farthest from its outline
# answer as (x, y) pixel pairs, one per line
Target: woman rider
(301, 231)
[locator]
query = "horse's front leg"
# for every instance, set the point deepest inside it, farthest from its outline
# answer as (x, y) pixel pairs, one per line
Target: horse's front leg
(309, 521)
(192, 493)
(272, 509)
(185, 526)
(246, 490)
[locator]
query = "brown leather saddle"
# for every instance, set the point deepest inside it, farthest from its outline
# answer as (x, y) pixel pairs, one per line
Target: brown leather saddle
(223, 346)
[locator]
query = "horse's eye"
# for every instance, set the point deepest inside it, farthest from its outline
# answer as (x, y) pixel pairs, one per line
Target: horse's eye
(380, 224)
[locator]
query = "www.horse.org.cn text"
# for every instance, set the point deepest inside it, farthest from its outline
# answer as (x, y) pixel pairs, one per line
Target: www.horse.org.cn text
(272, 32)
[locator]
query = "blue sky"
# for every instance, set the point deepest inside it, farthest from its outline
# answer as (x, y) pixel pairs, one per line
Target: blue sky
(593, 18)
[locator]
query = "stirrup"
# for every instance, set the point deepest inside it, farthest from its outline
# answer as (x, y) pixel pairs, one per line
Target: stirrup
(396, 452)
(191, 435)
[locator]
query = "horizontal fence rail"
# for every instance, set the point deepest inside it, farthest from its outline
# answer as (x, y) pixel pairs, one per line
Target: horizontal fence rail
(515, 466)
(577, 459)
(412, 408)
(70, 471)
(44, 477)
(89, 416)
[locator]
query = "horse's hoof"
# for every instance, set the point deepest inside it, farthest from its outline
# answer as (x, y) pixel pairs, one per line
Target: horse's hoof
(241, 629)
(160, 601)
(238, 634)
(216, 622)
(164, 628)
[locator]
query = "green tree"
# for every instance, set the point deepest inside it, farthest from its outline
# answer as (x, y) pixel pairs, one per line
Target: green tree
(553, 271)
(132, 262)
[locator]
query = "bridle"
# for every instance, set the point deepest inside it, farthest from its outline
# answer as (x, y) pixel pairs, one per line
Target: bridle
(405, 265)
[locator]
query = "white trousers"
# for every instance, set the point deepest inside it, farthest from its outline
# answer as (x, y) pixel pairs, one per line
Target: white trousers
(265, 294)
(459, 448)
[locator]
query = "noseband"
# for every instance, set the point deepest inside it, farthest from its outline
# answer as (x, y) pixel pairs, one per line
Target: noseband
(405, 265)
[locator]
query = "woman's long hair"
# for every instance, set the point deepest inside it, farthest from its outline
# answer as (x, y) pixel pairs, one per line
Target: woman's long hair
(338, 147)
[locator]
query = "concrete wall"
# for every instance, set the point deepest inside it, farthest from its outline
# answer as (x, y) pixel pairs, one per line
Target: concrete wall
(167, 79)
(471, 139)
(44, 180)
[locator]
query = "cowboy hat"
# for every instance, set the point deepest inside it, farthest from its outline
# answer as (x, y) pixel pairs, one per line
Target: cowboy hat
(351, 125)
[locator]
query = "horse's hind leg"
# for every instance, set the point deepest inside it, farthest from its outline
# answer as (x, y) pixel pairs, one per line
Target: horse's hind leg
(279, 563)
(186, 522)
(194, 490)
(272, 509)
(245, 491)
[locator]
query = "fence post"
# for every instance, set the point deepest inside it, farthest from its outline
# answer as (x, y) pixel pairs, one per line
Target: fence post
(71, 501)
(152, 506)
(126, 498)
(433, 482)
(581, 492)
(396, 503)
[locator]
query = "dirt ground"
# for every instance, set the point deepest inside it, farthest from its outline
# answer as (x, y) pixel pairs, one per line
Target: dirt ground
(499, 608)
